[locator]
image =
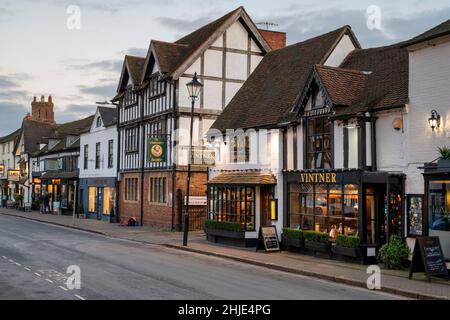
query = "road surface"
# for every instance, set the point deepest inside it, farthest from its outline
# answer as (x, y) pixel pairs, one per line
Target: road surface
(34, 258)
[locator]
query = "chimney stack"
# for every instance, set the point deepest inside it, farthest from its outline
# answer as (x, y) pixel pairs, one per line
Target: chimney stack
(275, 39)
(50, 99)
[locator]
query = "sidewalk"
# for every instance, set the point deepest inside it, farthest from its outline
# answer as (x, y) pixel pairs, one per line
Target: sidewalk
(395, 282)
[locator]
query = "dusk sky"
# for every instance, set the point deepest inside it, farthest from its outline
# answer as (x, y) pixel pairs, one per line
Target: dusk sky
(39, 54)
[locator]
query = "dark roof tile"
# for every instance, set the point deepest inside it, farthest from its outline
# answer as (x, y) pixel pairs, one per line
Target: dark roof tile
(273, 88)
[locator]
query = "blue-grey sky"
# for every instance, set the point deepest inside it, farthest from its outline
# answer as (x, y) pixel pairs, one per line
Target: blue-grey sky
(39, 54)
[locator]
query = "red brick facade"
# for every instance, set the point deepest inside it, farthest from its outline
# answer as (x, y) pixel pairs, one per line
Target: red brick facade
(275, 39)
(155, 214)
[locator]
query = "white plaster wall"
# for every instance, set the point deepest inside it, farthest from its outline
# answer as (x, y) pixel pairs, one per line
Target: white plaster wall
(212, 95)
(213, 63)
(231, 90)
(102, 135)
(236, 66)
(183, 94)
(290, 148)
(343, 48)
(353, 148)
(254, 47)
(368, 144)
(195, 67)
(390, 142)
(237, 36)
(338, 145)
(7, 157)
(300, 147)
(218, 42)
(254, 62)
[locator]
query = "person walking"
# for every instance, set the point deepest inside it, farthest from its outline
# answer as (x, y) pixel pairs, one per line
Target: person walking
(47, 203)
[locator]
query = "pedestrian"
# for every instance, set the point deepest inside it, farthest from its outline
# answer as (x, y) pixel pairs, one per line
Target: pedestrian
(47, 203)
(41, 203)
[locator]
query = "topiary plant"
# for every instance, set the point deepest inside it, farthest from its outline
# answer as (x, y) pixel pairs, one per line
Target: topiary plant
(394, 253)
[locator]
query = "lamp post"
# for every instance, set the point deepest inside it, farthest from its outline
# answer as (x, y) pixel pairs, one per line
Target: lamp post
(194, 88)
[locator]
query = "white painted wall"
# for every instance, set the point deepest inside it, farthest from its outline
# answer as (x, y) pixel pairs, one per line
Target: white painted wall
(343, 48)
(352, 148)
(102, 135)
(237, 36)
(7, 157)
(390, 142)
(338, 145)
(429, 71)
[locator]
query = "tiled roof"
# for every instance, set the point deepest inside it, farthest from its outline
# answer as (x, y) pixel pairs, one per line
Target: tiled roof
(244, 178)
(169, 55)
(135, 67)
(387, 84)
(33, 132)
(438, 31)
(273, 88)
(342, 85)
(10, 136)
(109, 116)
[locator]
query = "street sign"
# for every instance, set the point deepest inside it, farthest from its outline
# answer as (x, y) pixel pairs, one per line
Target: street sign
(268, 239)
(196, 200)
(429, 258)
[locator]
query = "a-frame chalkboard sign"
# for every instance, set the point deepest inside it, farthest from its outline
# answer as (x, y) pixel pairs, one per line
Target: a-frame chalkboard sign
(428, 258)
(268, 239)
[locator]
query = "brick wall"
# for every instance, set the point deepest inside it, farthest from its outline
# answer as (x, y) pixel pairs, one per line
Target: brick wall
(276, 40)
(159, 215)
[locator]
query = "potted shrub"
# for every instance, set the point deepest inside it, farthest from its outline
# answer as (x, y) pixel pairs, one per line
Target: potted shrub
(395, 253)
(347, 246)
(221, 231)
(444, 158)
(293, 238)
(317, 241)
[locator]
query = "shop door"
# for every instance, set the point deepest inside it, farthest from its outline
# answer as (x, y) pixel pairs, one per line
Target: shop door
(267, 194)
(99, 203)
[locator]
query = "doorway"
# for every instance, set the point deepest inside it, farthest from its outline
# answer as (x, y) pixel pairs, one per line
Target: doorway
(383, 212)
(267, 195)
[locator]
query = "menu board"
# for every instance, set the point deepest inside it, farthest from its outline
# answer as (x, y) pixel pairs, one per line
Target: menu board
(268, 239)
(429, 258)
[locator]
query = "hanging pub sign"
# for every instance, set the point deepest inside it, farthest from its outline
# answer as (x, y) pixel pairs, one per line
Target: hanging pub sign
(2, 169)
(157, 149)
(429, 258)
(14, 175)
(268, 239)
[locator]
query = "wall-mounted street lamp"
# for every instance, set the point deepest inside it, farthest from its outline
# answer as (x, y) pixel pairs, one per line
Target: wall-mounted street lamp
(434, 120)
(194, 88)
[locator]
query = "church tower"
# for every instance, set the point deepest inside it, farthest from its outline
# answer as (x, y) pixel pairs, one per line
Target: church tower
(43, 110)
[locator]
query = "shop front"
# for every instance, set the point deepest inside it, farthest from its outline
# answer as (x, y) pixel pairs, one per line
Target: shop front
(436, 205)
(61, 190)
(362, 204)
(98, 198)
(238, 204)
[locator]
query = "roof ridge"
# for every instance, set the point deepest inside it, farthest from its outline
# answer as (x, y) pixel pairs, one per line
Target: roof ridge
(321, 66)
(168, 42)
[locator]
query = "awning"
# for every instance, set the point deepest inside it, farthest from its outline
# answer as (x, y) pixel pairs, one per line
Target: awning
(60, 175)
(244, 179)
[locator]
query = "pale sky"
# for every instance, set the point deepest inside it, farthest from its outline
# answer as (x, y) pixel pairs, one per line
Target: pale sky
(40, 55)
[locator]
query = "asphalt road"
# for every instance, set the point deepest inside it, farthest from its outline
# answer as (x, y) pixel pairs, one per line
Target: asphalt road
(34, 258)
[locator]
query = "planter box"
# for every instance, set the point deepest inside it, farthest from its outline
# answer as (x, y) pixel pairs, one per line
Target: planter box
(229, 237)
(294, 243)
(443, 165)
(348, 252)
(317, 246)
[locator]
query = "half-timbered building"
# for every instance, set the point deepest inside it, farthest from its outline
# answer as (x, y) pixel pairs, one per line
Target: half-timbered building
(154, 105)
(246, 184)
